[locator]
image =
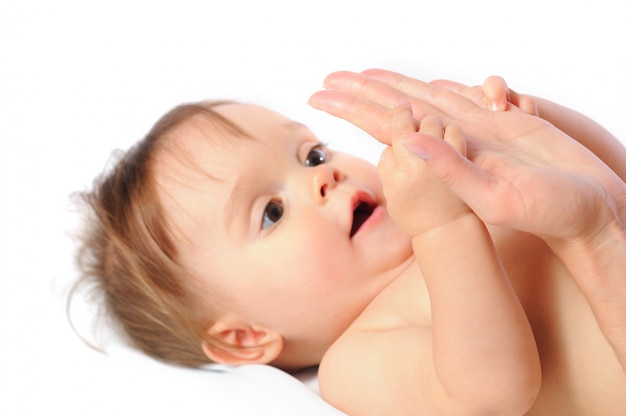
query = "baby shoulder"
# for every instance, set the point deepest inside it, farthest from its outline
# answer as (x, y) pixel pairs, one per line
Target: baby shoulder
(378, 371)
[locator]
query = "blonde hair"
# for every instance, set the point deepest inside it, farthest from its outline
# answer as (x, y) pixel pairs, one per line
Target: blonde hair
(128, 254)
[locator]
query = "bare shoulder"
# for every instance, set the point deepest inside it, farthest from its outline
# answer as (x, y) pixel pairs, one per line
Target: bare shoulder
(367, 371)
(381, 364)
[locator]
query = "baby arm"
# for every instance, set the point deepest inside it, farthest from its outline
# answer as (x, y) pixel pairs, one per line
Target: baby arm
(483, 351)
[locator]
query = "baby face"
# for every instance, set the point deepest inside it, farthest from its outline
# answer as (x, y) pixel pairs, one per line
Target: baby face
(292, 235)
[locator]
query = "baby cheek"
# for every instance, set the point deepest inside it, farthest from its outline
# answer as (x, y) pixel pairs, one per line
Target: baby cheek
(364, 172)
(320, 260)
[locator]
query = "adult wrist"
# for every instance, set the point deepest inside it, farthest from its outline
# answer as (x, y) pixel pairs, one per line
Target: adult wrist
(593, 258)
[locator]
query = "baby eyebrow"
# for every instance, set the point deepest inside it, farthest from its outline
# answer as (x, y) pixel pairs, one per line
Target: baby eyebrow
(294, 125)
(238, 205)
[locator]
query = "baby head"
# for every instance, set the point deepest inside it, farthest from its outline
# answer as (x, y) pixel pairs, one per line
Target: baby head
(231, 234)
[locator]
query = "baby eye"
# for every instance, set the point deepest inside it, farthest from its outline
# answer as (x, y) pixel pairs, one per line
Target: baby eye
(271, 214)
(317, 156)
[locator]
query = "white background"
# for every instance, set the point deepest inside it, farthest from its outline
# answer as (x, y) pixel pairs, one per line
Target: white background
(79, 79)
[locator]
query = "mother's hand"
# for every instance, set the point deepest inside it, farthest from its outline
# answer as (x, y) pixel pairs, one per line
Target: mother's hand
(520, 171)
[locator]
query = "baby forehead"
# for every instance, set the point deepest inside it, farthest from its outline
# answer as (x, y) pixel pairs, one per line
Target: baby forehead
(239, 112)
(257, 121)
(247, 131)
(199, 151)
(233, 121)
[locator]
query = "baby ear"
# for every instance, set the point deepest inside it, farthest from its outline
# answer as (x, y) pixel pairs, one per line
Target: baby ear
(236, 343)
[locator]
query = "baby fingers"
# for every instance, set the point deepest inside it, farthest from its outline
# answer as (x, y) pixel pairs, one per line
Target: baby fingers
(498, 95)
(404, 129)
(432, 127)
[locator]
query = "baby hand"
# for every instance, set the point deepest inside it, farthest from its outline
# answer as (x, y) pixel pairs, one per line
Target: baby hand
(416, 199)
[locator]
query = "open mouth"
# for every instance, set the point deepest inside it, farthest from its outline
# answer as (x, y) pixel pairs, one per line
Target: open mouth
(361, 213)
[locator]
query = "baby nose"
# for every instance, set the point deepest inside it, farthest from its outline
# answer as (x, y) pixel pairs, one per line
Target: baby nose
(324, 178)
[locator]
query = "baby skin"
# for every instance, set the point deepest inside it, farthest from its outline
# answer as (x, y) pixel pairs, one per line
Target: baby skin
(388, 279)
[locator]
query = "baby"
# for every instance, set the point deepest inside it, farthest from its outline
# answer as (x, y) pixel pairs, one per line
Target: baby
(232, 234)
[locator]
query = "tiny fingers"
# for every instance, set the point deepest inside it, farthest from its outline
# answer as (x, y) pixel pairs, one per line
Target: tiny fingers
(455, 137)
(402, 125)
(431, 125)
(405, 136)
(496, 92)
(498, 96)
(402, 121)
(404, 128)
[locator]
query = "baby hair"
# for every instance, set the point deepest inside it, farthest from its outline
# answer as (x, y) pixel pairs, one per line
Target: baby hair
(127, 253)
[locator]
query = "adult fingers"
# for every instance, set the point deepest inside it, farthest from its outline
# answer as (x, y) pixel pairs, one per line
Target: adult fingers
(449, 85)
(370, 89)
(366, 103)
(445, 97)
(371, 117)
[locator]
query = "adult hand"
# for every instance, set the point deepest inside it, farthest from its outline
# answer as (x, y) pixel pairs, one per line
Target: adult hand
(520, 171)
